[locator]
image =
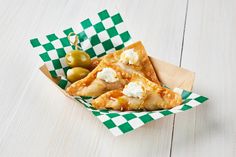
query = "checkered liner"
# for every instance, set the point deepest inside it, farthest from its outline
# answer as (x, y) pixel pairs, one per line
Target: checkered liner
(122, 122)
(99, 35)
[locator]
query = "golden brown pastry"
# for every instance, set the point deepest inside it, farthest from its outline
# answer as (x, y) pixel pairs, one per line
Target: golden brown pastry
(113, 70)
(94, 63)
(132, 59)
(103, 78)
(138, 94)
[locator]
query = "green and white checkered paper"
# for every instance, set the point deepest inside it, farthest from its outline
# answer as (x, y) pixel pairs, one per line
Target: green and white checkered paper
(99, 35)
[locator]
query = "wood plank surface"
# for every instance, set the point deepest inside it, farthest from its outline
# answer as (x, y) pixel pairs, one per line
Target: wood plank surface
(36, 119)
(210, 51)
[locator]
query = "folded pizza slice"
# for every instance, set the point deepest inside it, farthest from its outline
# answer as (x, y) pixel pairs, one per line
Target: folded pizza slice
(103, 78)
(138, 94)
(133, 58)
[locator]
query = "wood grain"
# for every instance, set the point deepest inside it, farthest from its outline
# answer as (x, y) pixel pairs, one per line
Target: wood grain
(36, 119)
(209, 50)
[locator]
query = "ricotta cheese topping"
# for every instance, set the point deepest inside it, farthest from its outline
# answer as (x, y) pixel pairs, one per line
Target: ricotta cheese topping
(108, 75)
(134, 89)
(129, 57)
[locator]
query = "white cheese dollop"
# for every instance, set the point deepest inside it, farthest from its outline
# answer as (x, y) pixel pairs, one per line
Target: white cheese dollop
(129, 57)
(108, 75)
(134, 89)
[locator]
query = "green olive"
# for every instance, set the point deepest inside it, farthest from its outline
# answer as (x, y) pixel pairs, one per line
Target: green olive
(76, 74)
(78, 58)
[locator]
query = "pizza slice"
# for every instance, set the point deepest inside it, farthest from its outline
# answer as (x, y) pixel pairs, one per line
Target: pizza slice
(138, 94)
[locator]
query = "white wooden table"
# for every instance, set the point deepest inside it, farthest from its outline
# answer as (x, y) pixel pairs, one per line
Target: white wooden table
(37, 120)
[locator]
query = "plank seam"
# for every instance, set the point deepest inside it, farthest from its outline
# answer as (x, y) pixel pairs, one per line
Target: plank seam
(180, 64)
